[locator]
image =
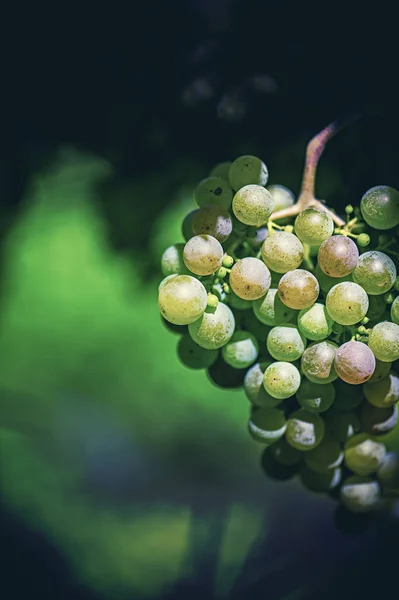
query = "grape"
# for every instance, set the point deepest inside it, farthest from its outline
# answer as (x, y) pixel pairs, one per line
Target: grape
(187, 225)
(250, 278)
(326, 282)
(377, 307)
(254, 388)
(375, 272)
(252, 205)
(281, 380)
(317, 362)
(338, 256)
(381, 370)
(193, 356)
(239, 303)
(363, 455)
(203, 254)
(271, 311)
(256, 240)
(282, 197)
(241, 350)
(254, 326)
(315, 323)
(282, 252)
(347, 303)
(347, 397)
(388, 471)
(298, 289)
(313, 226)
(384, 341)
(341, 425)
(360, 494)
(165, 279)
(214, 190)
(225, 377)
(285, 343)
(172, 261)
(380, 207)
(214, 328)
(320, 482)
(327, 455)
(382, 393)
(378, 421)
(247, 170)
(267, 425)
(212, 220)
(182, 299)
(354, 362)
(315, 397)
(285, 454)
(221, 170)
(395, 311)
(305, 430)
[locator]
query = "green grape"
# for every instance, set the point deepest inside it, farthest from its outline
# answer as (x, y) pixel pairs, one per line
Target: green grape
(165, 279)
(360, 494)
(239, 303)
(338, 256)
(212, 220)
(271, 311)
(214, 190)
(285, 454)
(182, 299)
(381, 370)
(313, 226)
(256, 240)
(317, 362)
(388, 472)
(281, 380)
(347, 397)
(315, 323)
(354, 362)
(203, 255)
(384, 341)
(247, 170)
(326, 456)
(193, 356)
(282, 197)
(326, 282)
(363, 455)
(298, 289)
(382, 393)
(378, 421)
(267, 425)
(305, 430)
(363, 240)
(250, 278)
(187, 225)
(341, 425)
(282, 252)
(252, 205)
(241, 350)
(214, 328)
(320, 482)
(254, 388)
(377, 307)
(221, 170)
(285, 342)
(254, 326)
(172, 262)
(347, 303)
(380, 207)
(375, 272)
(395, 311)
(315, 397)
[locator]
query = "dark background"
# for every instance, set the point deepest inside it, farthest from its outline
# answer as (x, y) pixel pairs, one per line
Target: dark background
(144, 88)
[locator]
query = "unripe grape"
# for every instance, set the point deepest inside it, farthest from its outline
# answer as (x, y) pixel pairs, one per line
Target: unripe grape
(221, 170)
(253, 205)
(182, 299)
(241, 350)
(172, 261)
(305, 430)
(313, 226)
(380, 207)
(285, 342)
(375, 272)
(246, 170)
(347, 303)
(317, 362)
(315, 323)
(212, 220)
(250, 278)
(315, 397)
(282, 252)
(203, 255)
(363, 455)
(254, 388)
(338, 256)
(214, 328)
(271, 311)
(383, 393)
(384, 341)
(298, 289)
(214, 190)
(267, 425)
(354, 362)
(281, 380)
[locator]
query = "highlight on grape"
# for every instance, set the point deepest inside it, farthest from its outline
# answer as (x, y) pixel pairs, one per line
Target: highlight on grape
(299, 307)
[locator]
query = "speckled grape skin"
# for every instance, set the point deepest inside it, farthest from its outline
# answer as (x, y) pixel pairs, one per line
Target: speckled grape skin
(338, 256)
(347, 303)
(380, 207)
(254, 388)
(354, 362)
(315, 323)
(241, 350)
(250, 278)
(360, 494)
(271, 311)
(363, 455)
(282, 196)
(267, 425)
(298, 289)
(172, 261)
(182, 299)
(382, 393)
(253, 205)
(212, 220)
(247, 169)
(305, 430)
(281, 380)
(285, 343)
(375, 272)
(214, 190)
(214, 328)
(395, 311)
(384, 341)
(317, 362)
(282, 252)
(313, 226)
(203, 254)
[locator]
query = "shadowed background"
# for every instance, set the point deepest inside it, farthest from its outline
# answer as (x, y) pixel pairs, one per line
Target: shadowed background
(124, 474)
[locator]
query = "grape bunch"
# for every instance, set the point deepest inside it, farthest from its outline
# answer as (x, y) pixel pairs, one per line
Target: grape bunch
(298, 307)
